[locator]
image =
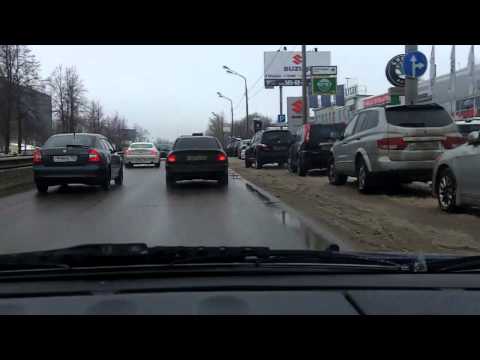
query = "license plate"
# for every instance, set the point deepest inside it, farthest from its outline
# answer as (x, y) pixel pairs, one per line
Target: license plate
(425, 145)
(196, 158)
(64, 158)
(279, 148)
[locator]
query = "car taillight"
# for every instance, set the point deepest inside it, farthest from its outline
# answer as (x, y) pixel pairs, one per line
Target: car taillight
(37, 157)
(451, 142)
(153, 152)
(221, 157)
(171, 158)
(94, 156)
(396, 143)
(306, 131)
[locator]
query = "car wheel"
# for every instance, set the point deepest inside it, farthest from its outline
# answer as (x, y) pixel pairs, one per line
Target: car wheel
(119, 178)
(291, 166)
(335, 178)
(364, 177)
(107, 181)
(170, 179)
(247, 163)
(301, 171)
(447, 191)
(128, 165)
(157, 165)
(223, 180)
(258, 162)
(41, 187)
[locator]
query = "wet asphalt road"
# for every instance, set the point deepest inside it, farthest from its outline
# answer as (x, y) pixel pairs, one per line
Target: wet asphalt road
(144, 210)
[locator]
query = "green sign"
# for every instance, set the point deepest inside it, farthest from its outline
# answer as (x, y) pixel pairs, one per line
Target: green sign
(324, 85)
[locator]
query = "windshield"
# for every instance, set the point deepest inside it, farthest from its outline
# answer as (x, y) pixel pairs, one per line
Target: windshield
(418, 118)
(70, 139)
(204, 143)
(227, 145)
(466, 129)
(141, 146)
(276, 136)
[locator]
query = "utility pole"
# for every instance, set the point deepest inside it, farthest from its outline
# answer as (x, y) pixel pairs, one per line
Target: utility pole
(281, 99)
(304, 84)
(411, 84)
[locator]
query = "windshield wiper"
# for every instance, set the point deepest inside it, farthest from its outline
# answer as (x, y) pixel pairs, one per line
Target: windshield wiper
(463, 263)
(100, 255)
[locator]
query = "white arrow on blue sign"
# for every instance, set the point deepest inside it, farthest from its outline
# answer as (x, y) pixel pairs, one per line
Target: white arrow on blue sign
(415, 64)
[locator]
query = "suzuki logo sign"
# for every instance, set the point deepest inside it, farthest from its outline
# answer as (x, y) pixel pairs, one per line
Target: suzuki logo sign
(297, 59)
(297, 106)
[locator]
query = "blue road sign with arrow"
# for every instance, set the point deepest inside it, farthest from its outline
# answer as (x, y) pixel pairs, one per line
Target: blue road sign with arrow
(415, 64)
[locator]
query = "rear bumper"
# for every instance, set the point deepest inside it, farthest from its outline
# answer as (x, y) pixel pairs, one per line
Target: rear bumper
(409, 170)
(317, 159)
(56, 175)
(190, 172)
(142, 159)
(273, 156)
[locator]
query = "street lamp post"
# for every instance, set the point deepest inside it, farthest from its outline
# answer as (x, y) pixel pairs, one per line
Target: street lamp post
(231, 109)
(230, 71)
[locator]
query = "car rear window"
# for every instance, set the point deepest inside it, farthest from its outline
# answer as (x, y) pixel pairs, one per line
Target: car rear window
(203, 143)
(466, 129)
(326, 132)
(276, 136)
(141, 146)
(418, 118)
(69, 139)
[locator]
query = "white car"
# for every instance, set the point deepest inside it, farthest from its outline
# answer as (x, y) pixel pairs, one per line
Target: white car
(242, 154)
(141, 153)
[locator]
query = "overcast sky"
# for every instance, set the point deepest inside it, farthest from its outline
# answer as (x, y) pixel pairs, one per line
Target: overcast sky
(171, 90)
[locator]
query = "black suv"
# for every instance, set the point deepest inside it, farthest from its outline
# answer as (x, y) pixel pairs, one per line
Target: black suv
(77, 159)
(311, 147)
(268, 146)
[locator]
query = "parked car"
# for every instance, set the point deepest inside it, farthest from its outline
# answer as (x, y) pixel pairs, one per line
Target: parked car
(164, 149)
(197, 157)
(141, 153)
(242, 146)
(268, 146)
(232, 146)
(76, 158)
(455, 176)
(311, 147)
(467, 126)
(396, 143)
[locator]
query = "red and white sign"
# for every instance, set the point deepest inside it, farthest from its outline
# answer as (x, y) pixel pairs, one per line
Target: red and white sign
(294, 113)
(282, 65)
(376, 100)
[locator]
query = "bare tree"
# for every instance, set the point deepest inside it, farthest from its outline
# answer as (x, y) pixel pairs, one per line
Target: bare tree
(19, 68)
(94, 116)
(67, 91)
(142, 134)
(215, 127)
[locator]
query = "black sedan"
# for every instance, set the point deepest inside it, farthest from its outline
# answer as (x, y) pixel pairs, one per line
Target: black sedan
(197, 157)
(77, 159)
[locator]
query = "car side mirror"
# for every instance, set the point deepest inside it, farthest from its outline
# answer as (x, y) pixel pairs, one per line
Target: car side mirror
(473, 138)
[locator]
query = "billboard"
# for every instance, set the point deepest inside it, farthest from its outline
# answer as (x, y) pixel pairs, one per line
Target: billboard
(294, 113)
(285, 67)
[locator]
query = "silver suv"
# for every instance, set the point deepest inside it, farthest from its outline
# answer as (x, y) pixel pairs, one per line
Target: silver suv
(399, 143)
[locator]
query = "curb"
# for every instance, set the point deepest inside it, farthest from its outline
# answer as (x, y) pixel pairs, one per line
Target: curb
(320, 230)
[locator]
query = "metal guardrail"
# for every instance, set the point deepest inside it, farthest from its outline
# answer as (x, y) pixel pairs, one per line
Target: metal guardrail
(14, 162)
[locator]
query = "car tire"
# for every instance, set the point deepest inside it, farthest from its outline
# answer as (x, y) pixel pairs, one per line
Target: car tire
(258, 162)
(447, 191)
(223, 180)
(119, 178)
(107, 182)
(170, 180)
(301, 171)
(128, 165)
(41, 187)
(248, 163)
(365, 179)
(335, 178)
(291, 166)
(157, 165)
